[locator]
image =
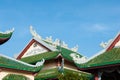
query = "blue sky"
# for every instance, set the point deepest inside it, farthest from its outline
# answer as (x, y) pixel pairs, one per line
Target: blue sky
(85, 23)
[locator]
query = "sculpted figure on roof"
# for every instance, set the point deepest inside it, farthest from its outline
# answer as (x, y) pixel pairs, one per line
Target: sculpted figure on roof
(105, 44)
(56, 42)
(8, 31)
(49, 39)
(34, 33)
(77, 59)
(40, 63)
(75, 49)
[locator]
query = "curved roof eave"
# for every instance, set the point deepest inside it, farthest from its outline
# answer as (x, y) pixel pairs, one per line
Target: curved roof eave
(7, 62)
(5, 36)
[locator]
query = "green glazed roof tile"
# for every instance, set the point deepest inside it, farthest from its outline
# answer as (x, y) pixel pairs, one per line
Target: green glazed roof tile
(66, 53)
(107, 58)
(54, 73)
(35, 58)
(18, 65)
(7, 35)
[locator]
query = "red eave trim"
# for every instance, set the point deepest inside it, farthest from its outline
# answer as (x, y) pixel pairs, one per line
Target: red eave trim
(3, 40)
(26, 48)
(113, 43)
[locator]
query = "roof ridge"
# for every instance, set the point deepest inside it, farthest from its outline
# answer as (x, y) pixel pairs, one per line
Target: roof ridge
(45, 44)
(7, 32)
(61, 47)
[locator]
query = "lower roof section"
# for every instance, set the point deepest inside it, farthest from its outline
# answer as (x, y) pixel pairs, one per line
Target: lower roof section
(65, 53)
(10, 63)
(108, 58)
(53, 73)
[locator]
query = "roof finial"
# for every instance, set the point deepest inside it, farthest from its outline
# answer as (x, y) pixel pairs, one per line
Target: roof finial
(64, 45)
(49, 39)
(105, 44)
(75, 49)
(34, 33)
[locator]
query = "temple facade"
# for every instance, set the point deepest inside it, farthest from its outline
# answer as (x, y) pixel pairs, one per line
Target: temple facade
(48, 59)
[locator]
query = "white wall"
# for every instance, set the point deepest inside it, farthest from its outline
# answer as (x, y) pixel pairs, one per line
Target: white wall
(3, 73)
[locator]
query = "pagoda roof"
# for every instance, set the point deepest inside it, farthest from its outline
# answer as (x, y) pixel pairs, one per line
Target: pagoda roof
(106, 59)
(109, 56)
(35, 58)
(65, 53)
(5, 36)
(55, 49)
(54, 73)
(10, 63)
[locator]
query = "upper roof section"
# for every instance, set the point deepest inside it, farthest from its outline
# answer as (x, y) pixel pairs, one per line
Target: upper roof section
(5, 36)
(39, 46)
(50, 41)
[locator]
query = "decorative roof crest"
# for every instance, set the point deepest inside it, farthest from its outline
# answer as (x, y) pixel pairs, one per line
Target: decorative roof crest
(77, 59)
(105, 44)
(8, 31)
(49, 39)
(56, 42)
(40, 63)
(34, 33)
(75, 49)
(64, 45)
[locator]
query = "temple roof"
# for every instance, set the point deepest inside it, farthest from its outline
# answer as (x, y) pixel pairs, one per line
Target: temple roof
(53, 73)
(5, 36)
(50, 50)
(33, 59)
(110, 55)
(10, 63)
(65, 53)
(107, 58)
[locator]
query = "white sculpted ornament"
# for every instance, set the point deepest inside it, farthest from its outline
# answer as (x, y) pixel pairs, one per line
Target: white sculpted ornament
(75, 49)
(105, 44)
(77, 59)
(34, 33)
(49, 39)
(40, 63)
(56, 42)
(64, 45)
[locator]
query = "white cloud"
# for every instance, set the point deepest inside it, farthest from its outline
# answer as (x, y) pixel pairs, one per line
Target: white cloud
(98, 27)
(95, 27)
